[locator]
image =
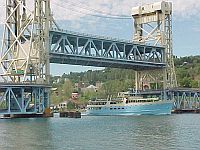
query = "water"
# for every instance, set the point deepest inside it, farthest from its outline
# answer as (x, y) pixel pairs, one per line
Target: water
(178, 132)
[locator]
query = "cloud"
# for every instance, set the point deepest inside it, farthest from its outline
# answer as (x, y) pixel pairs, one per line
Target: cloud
(75, 10)
(186, 8)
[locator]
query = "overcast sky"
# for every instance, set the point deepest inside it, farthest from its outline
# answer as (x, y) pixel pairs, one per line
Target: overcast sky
(72, 15)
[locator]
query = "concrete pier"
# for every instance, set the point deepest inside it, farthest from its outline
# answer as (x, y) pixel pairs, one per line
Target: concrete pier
(47, 113)
(181, 111)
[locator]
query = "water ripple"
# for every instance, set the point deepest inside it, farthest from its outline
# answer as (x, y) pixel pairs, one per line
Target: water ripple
(174, 132)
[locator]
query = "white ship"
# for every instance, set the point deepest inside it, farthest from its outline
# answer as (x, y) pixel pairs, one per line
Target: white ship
(129, 105)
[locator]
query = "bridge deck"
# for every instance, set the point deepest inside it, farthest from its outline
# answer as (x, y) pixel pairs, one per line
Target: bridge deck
(68, 47)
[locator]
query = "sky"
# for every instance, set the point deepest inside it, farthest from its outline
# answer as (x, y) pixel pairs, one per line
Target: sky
(74, 15)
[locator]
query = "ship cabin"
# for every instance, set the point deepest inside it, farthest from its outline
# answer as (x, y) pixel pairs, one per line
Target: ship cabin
(98, 102)
(106, 101)
(141, 100)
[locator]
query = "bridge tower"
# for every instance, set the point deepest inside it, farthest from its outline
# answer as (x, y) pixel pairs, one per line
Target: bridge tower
(24, 60)
(153, 26)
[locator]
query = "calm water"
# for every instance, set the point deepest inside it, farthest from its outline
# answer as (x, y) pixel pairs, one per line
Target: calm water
(179, 132)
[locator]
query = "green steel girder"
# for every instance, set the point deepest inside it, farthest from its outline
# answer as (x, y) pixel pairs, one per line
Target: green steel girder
(23, 98)
(68, 47)
(185, 98)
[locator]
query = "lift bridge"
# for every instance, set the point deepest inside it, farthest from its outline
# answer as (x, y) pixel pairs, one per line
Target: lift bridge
(32, 40)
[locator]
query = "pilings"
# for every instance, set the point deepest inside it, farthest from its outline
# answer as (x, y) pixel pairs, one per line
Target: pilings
(181, 111)
(70, 114)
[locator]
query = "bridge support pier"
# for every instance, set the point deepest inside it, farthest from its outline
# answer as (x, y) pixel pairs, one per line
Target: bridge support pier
(24, 58)
(185, 99)
(18, 99)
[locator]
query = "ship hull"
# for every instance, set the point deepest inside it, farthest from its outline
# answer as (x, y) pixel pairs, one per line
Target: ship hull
(158, 108)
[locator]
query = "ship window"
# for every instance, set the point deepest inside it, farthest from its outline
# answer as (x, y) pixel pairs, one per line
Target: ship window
(114, 108)
(122, 108)
(111, 108)
(112, 102)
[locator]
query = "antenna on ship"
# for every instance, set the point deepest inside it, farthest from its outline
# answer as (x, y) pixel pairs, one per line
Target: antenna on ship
(110, 97)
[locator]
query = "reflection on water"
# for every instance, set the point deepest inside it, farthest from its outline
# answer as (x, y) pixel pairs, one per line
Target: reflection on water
(110, 132)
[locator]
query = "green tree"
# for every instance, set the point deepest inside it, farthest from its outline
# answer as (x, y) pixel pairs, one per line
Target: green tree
(53, 98)
(67, 89)
(71, 105)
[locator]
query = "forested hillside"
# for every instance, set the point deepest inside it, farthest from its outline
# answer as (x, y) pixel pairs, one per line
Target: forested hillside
(188, 71)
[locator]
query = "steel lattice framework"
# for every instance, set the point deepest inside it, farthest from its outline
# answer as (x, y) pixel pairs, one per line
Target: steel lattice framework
(81, 49)
(153, 25)
(188, 99)
(24, 57)
(23, 98)
(24, 51)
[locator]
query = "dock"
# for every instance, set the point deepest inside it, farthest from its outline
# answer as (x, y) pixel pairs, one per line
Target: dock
(70, 114)
(181, 111)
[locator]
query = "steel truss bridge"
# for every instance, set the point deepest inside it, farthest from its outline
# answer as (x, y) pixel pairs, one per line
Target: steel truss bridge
(185, 99)
(68, 47)
(30, 43)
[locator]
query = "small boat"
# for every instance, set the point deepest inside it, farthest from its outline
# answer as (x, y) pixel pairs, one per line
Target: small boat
(130, 104)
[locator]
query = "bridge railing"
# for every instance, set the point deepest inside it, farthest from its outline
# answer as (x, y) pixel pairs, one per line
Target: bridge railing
(91, 35)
